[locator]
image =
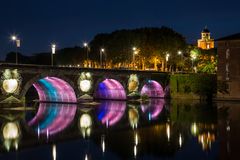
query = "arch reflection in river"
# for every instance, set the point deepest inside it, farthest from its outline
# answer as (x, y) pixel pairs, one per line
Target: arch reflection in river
(110, 112)
(52, 118)
(153, 108)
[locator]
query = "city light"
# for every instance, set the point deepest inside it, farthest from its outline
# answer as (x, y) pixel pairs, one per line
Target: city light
(13, 38)
(179, 52)
(53, 48)
(85, 44)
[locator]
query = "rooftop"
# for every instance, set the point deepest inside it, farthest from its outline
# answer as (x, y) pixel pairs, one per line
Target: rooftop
(230, 37)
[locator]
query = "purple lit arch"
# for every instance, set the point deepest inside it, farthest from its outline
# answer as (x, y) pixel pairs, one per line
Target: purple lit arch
(52, 89)
(110, 89)
(153, 89)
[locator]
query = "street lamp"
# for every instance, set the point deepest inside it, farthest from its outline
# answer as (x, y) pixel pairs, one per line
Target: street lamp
(167, 58)
(85, 45)
(102, 50)
(135, 52)
(193, 58)
(18, 44)
(53, 46)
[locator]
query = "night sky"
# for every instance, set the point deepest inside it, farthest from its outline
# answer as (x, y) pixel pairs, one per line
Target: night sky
(38, 23)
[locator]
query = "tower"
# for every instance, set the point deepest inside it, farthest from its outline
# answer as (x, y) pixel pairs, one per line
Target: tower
(205, 42)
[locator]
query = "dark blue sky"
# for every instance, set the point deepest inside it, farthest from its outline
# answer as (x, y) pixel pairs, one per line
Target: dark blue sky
(70, 22)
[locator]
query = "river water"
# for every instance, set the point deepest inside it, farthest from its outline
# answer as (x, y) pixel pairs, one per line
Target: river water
(158, 129)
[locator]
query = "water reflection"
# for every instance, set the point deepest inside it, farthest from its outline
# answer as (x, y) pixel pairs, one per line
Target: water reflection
(205, 131)
(133, 117)
(85, 124)
(11, 135)
(153, 108)
(110, 112)
(52, 118)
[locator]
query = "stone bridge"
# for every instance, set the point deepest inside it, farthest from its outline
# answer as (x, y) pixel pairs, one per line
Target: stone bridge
(69, 84)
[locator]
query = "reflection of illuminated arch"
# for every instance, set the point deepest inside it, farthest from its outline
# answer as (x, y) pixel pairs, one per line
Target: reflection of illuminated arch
(153, 108)
(110, 112)
(152, 89)
(110, 89)
(52, 118)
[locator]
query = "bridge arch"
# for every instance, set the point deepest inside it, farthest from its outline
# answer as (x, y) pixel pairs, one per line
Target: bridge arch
(109, 88)
(152, 89)
(52, 87)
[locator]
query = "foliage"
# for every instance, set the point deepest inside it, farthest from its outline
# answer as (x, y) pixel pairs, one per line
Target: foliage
(200, 84)
(149, 41)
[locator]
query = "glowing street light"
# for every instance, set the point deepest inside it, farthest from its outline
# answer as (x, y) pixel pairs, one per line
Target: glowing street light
(85, 45)
(53, 46)
(102, 50)
(167, 58)
(16, 40)
(193, 57)
(135, 52)
(179, 52)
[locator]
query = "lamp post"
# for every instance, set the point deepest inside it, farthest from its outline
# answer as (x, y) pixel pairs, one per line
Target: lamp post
(193, 58)
(167, 58)
(181, 54)
(85, 45)
(53, 46)
(135, 52)
(102, 50)
(16, 40)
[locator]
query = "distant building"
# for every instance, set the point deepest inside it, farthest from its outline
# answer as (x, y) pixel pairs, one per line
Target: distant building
(206, 42)
(228, 73)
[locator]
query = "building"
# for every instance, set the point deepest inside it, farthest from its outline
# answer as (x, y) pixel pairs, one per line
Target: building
(228, 73)
(206, 42)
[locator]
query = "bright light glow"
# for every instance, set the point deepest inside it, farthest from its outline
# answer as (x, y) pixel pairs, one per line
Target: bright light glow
(179, 52)
(167, 57)
(10, 131)
(85, 85)
(10, 85)
(86, 157)
(194, 129)
(102, 49)
(103, 143)
(13, 38)
(136, 139)
(134, 48)
(54, 152)
(85, 121)
(168, 131)
(53, 48)
(135, 150)
(85, 44)
(85, 124)
(180, 140)
(133, 117)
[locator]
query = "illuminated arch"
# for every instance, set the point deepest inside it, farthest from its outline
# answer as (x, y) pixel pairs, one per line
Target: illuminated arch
(110, 89)
(110, 112)
(152, 89)
(53, 89)
(52, 118)
(153, 108)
